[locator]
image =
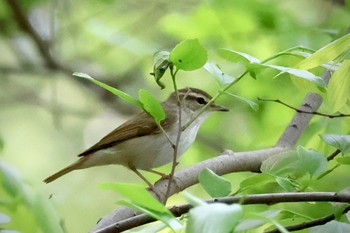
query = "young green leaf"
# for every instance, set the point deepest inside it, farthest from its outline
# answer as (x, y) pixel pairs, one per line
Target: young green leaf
(256, 219)
(327, 53)
(137, 194)
(193, 200)
(216, 186)
(251, 104)
(297, 163)
(167, 219)
(254, 182)
(341, 142)
(215, 70)
(188, 55)
(339, 87)
(151, 105)
(113, 90)
(332, 226)
(343, 160)
(216, 217)
(162, 62)
(235, 56)
(298, 73)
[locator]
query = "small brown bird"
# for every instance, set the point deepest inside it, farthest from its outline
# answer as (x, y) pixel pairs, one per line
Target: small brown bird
(140, 144)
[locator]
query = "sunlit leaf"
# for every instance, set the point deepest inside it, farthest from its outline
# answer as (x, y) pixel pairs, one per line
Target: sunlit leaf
(193, 200)
(339, 141)
(339, 87)
(235, 56)
(332, 226)
(151, 105)
(286, 184)
(251, 104)
(166, 218)
(140, 199)
(304, 74)
(343, 160)
(137, 194)
(215, 70)
(327, 53)
(189, 55)
(216, 217)
(216, 186)
(298, 163)
(256, 219)
(255, 181)
(124, 96)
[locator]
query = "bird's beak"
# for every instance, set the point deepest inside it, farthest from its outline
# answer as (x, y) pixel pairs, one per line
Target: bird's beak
(218, 108)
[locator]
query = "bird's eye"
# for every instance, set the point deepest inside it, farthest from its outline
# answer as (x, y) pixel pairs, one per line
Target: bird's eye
(201, 100)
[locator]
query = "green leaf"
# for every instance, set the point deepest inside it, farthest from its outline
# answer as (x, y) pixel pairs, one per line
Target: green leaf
(124, 96)
(151, 105)
(327, 53)
(235, 56)
(339, 87)
(216, 217)
(304, 74)
(143, 201)
(255, 181)
(137, 194)
(297, 163)
(215, 70)
(341, 142)
(286, 184)
(167, 219)
(255, 220)
(343, 160)
(332, 226)
(162, 62)
(193, 200)
(188, 55)
(216, 186)
(251, 104)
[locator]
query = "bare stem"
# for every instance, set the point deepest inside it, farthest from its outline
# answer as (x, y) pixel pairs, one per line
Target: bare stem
(306, 112)
(178, 137)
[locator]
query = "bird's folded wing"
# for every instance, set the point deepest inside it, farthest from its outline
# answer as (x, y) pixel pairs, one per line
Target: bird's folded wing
(142, 124)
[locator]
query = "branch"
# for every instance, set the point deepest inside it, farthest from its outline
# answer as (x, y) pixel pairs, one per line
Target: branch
(227, 162)
(42, 46)
(307, 112)
(312, 223)
(268, 198)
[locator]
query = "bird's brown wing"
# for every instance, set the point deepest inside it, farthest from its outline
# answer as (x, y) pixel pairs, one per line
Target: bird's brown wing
(142, 125)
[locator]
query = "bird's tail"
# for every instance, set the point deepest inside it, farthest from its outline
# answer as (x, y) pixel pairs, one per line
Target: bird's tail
(72, 167)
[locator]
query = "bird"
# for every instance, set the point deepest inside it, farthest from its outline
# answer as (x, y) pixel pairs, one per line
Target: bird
(139, 143)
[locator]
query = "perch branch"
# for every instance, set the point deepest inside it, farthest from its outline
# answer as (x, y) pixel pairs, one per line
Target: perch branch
(227, 162)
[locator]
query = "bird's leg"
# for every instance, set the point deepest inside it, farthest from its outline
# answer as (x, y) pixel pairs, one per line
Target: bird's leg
(150, 185)
(163, 175)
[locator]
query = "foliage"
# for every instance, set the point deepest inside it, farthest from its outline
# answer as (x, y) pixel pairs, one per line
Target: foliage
(250, 48)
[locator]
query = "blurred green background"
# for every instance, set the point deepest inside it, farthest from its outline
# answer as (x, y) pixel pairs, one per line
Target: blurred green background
(47, 116)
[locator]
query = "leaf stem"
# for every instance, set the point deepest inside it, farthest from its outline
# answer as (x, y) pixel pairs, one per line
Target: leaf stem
(178, 137)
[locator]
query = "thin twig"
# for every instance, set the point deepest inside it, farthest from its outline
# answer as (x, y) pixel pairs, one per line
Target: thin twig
(178, 137)
(312, 223)
(306, 112)
(267, 198)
